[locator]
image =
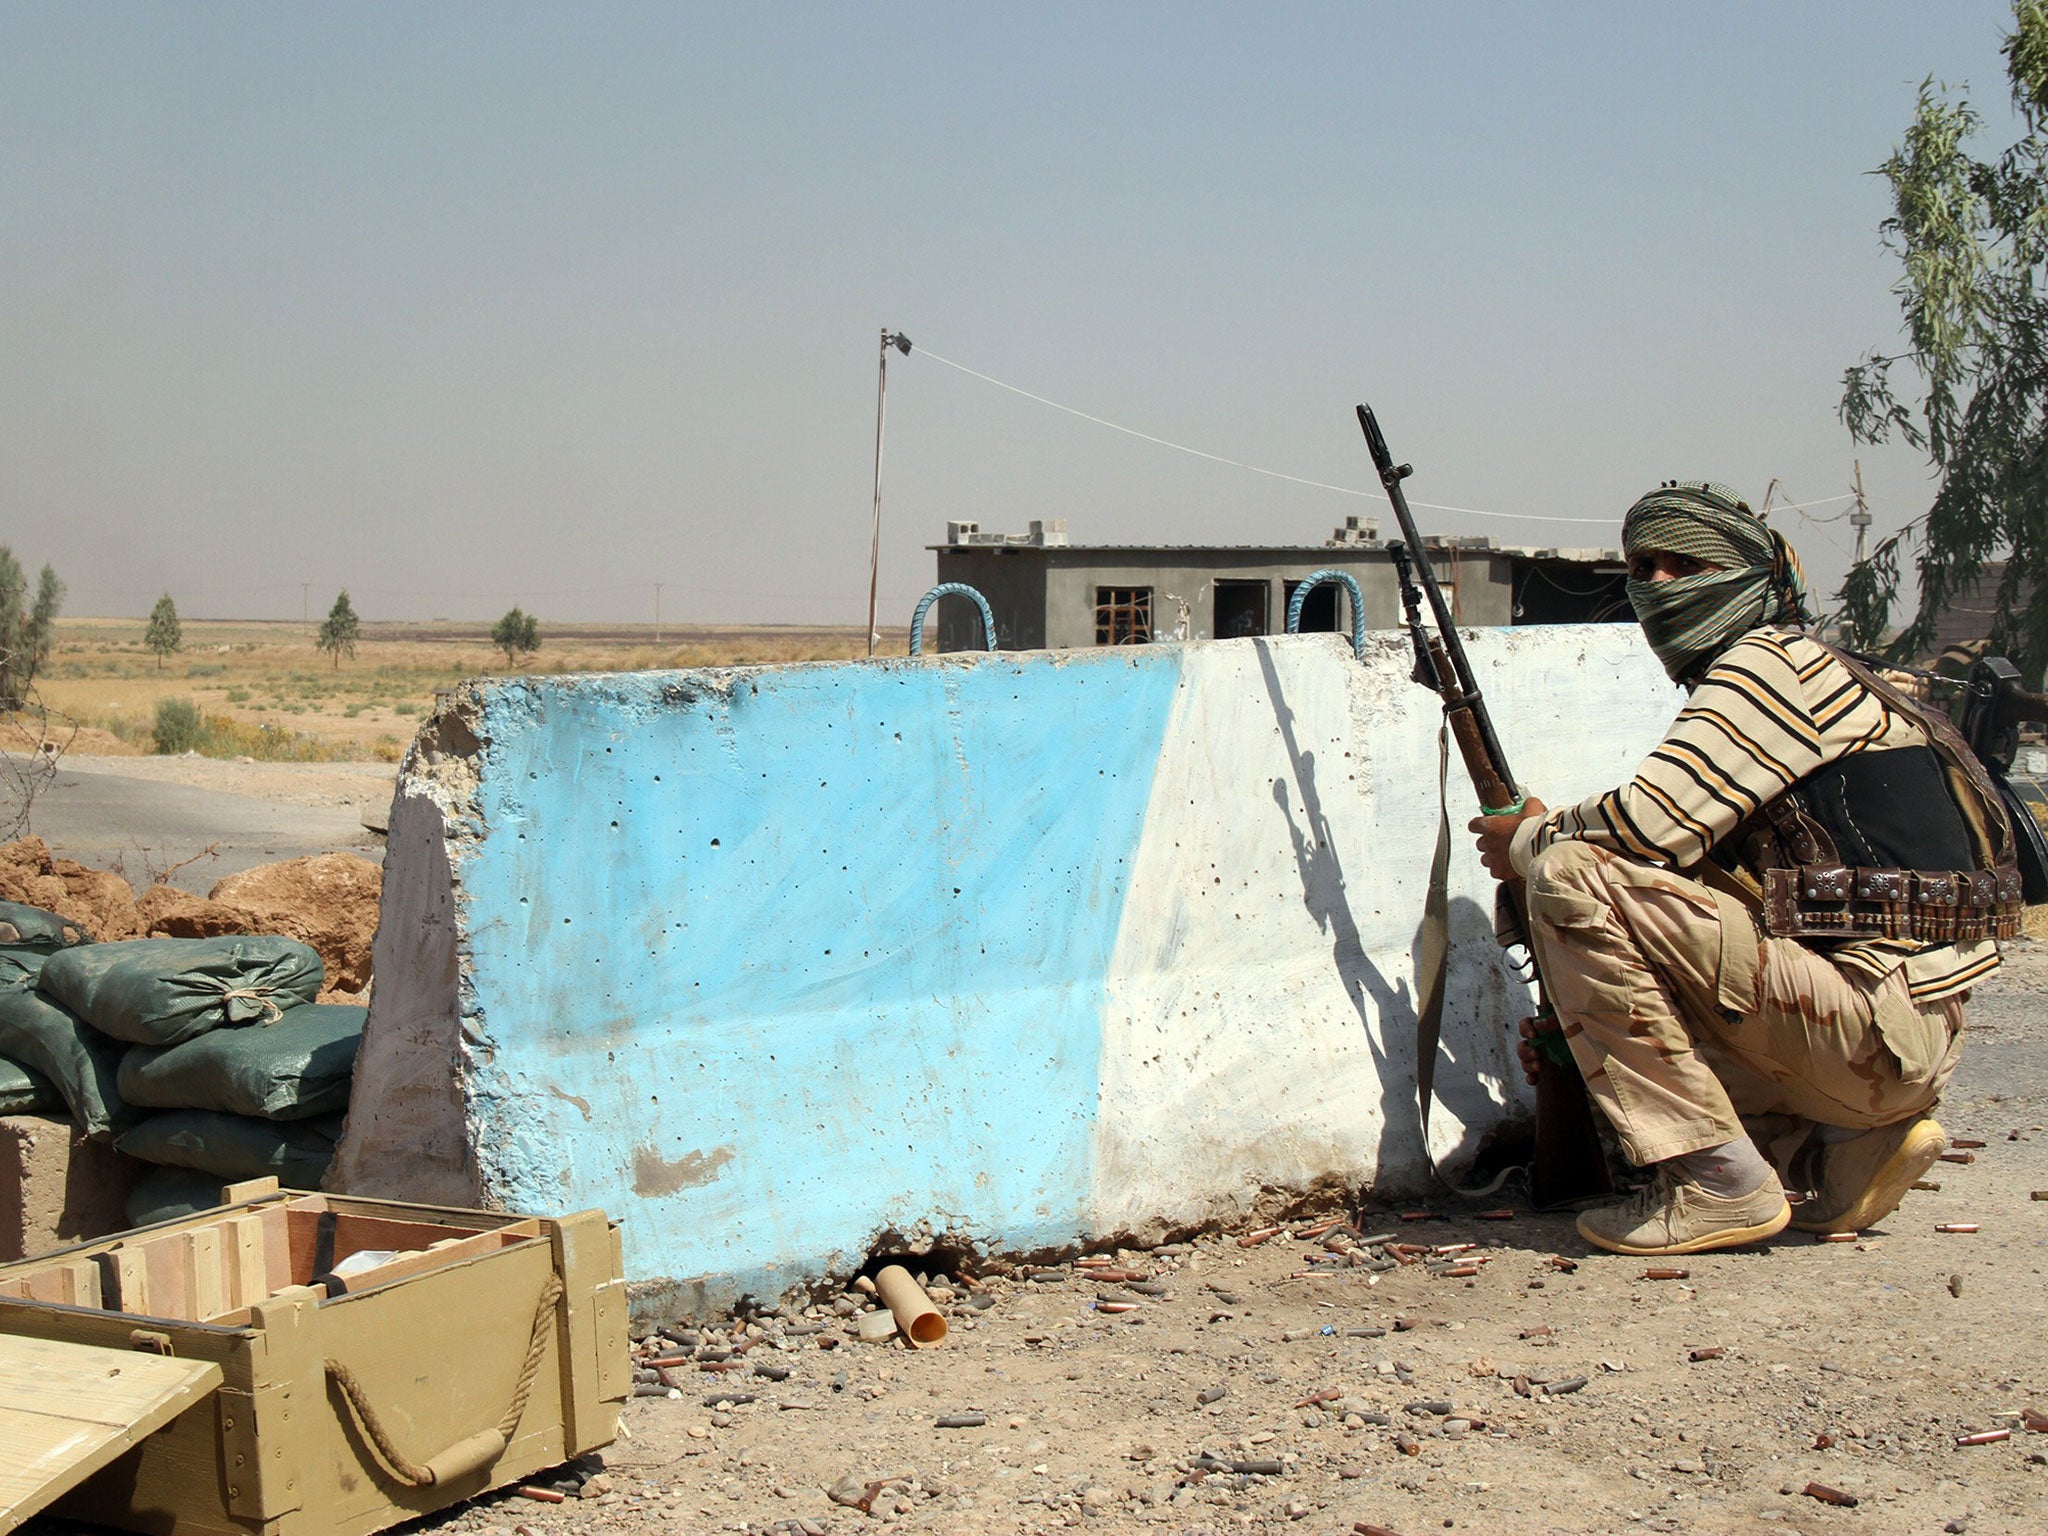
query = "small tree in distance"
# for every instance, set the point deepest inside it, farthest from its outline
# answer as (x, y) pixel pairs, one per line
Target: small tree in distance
(27, 630)
(516, 634)
(340, 630)
(164, 634)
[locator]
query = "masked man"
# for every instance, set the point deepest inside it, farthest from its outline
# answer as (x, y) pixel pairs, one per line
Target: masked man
(1759, 947)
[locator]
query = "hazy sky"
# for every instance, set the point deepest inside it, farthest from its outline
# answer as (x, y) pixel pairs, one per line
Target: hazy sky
(462, 306)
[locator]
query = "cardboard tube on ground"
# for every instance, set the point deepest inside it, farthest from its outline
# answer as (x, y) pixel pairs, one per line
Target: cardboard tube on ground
(915, 1314)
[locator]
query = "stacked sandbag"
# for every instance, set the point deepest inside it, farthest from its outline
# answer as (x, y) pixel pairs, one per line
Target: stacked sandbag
(245, 1071)
(163, 991)
(294, 1069)
(23, 1092)
(47, 1053)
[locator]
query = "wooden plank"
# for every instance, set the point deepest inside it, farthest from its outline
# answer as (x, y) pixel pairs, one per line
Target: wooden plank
(66, 1410)
(244, 1261)
(277, 1249)
(248, 1189)
(206, 1293)
(163, 1260)
(131, 1279)
(449, 1251)
(80, 1286)
(584, 1248)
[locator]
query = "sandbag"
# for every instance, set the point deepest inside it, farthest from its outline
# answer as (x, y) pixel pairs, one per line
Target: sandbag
(35, 928)
(46, 1037)
(22, 1091)
(165, 1194)
(164, 991)
(291, 1070)
(235, 1147)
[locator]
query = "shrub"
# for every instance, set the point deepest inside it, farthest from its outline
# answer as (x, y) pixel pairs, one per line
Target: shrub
(178, 726)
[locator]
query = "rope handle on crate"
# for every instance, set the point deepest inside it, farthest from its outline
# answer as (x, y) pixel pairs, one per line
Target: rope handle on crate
(465, 1456)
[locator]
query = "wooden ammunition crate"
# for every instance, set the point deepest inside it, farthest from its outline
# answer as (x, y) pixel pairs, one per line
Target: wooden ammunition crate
(212, 1374)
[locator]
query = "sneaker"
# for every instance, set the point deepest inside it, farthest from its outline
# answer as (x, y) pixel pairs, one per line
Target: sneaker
(1862, 1180)
(1674, 1215)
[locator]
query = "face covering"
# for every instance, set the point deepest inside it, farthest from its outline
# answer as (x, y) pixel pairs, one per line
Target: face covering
(1691, 620)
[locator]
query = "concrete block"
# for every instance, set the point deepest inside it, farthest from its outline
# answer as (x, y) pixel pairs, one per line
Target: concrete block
(779, 965)
(56, 1187)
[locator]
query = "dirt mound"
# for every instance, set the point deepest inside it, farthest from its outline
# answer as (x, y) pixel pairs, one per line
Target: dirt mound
(97, 900)
(328, 901)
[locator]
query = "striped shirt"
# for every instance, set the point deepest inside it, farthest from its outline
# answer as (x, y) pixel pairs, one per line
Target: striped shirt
(1774, 708)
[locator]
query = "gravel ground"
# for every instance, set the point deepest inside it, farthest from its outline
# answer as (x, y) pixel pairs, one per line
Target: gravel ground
(1404, 1400)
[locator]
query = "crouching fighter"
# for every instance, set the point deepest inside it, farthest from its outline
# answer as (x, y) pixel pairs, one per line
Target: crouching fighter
(1760, 946)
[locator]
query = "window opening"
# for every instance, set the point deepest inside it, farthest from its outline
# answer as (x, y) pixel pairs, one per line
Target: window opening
(1123, 615)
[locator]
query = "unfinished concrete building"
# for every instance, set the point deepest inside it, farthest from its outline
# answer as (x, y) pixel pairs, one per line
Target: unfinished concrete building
(1049, 594)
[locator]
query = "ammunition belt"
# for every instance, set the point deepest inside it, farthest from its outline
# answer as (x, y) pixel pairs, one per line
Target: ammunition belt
(1837, 901)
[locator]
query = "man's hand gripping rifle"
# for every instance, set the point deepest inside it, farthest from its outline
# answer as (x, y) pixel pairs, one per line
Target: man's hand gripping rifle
(1568, 1163)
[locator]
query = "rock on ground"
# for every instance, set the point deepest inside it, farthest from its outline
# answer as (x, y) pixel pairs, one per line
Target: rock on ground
(98, 900)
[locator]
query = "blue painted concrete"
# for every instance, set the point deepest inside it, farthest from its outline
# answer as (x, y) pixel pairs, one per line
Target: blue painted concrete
(906, 879)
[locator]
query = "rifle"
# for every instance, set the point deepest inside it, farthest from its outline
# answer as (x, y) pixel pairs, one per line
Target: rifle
(1568, 1164)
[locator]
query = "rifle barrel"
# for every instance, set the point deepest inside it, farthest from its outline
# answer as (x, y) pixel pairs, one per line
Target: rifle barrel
(1391, 476)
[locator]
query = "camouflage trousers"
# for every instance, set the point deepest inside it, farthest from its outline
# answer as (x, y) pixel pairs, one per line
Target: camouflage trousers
(1691, 1030)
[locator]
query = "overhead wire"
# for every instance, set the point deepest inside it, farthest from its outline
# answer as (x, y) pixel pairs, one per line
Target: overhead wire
(1322, 485)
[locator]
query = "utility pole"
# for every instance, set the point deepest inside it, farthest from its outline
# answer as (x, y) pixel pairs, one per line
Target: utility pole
(901, 344)
(1859, 518)
(306, 603)
(657, 613)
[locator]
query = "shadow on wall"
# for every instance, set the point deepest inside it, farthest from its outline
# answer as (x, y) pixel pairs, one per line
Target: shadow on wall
(1465, 1089)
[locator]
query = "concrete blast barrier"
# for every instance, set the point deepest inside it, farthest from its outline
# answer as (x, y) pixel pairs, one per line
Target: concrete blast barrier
(781, 964)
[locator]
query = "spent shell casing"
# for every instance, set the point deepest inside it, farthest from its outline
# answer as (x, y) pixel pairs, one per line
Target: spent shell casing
(1837, 1237)
(2035, 1423)
(1560, 1388)
(1964, 1143)
(1829, 1495)
(1663, 1273)
(1955, 1226)
(1984, 1437)
(1710, 1352)
(1262, 1234)
(1959, 1157)
(1457, 1272)
(1932, 1187)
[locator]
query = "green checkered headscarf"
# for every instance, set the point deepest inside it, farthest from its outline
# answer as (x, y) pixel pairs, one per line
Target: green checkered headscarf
(1691, 620)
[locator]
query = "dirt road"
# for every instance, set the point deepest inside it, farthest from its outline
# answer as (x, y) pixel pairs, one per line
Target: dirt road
(1708, 1403)
(144, 814)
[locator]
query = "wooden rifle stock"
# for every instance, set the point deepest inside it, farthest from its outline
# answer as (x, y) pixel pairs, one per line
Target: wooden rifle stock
(1568, 1164)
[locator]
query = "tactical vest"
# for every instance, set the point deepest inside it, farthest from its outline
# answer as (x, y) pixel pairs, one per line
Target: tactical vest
(1900, 843)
